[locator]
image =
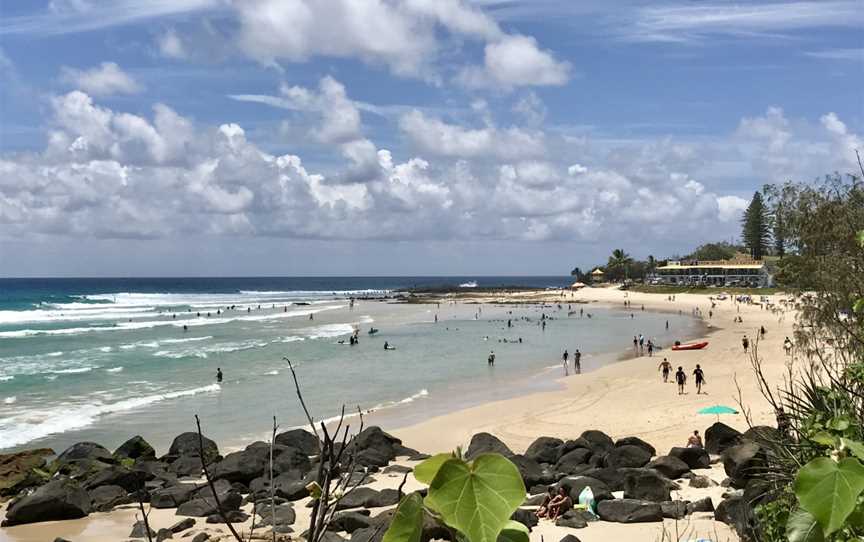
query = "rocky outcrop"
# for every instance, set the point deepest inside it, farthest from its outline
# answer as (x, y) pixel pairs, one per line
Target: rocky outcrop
(104, 498)
(668, 466)
(545, 450)
(696, 458)
(742, 462)
(575, 485)
(19, 471)
(636, 441)
(647, 485)
(61, 498)
(364, 497)
(597, 441)
(530, 470)
(187, 445)
(300, 439)
(86, 450)
(574, 462)
(628, 455)
(135, 448)
(720, 437)
(484, 443)
(629, 511)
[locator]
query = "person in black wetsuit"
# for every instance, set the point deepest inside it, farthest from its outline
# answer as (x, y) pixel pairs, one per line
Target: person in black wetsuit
(218, 374)
(700, 378)
(681, 379)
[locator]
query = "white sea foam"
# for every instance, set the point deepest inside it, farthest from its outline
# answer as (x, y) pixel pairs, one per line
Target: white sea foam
(191, 322)
(329, 330)
(274, 372)
(31, 425)
(6, 378)
(54, 354)
(76, 370)
(114, 369)
(10, 400)
(381, 406)
(59, 315)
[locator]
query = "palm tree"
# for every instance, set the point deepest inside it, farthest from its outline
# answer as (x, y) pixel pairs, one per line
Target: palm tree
(619, 264)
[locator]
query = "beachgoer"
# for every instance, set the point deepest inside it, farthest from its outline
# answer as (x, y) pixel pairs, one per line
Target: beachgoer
(218, 374)
(650, 348)
(544, 506)
(681, 379)
(666, 368)
(565, 357)
(667, 324)
(787, 346)
(762, 332)
(577, 361)
(311, 316)
(745, 342)
(635, 343)
(491, 359)
(386, 345)
(185, 327)
(560, 504)
(700, 378)
(695, 441)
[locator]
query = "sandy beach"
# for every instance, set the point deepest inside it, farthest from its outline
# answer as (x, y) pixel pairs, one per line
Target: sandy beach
(628, 398)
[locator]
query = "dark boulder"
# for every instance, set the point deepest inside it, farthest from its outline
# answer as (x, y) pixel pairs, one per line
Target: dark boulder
(187, 444)
(374, 438)
(674, 509)
(529, 469)
(364, 497)
(182, 525)
(761, 433)
(140, 530)
(484, 443)
(350, 521)
(628, 455)
(164, 534)
(720, 437)
(232, 516)
(575, 485)
(290, 459)
(669, 466)
(172, 497)
(743, 462)
(86, 450)
(636, 441)
(397, 469)
(104, 498)
(115, 475)
(135, 448)
(526, 517)
(701, 482)
(545, 450)
(613, 478)
(186, 465)
(574, 461)
(300, 439)
(570, 538)
(203, 507)
(18, 471)
(647, 485)
(696, 458)
(704, 504)
(736, 513)
(571, 519)
(242, 466)
(599, 442)
(61, 498)
(629, 511)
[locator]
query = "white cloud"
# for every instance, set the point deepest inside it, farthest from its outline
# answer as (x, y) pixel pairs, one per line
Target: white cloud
(515, 61)
(434, 136)
(531, 108)
(170, 45)
(103, 80)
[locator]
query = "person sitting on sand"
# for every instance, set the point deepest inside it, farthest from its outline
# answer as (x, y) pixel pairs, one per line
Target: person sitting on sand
(560, 504)
(544, 506)
(665, 367)
(695, 441)
(681, 379)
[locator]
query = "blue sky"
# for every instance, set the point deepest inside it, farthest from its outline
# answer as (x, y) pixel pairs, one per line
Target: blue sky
(221, 137)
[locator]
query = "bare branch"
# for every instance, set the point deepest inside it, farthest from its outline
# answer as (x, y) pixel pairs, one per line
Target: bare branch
(219, 509)
(300, 396)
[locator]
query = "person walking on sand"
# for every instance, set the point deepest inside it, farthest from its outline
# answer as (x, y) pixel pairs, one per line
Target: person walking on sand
(665, 367)
(491, 359)
(681, 379)
(787, 346)
(565, 358)
(650, 348)
(218, 374)
(745, 342)
(700, 378)
(577, 361)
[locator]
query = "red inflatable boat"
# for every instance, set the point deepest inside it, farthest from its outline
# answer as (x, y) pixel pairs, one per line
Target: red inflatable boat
(690, 346)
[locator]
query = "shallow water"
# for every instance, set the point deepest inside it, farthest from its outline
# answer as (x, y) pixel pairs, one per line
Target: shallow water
(113, 364)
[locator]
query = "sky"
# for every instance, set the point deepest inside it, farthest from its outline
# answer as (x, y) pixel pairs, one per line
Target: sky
(407, 137)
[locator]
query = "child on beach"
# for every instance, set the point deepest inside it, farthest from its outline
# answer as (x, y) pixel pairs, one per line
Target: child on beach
(681, 379)
(700, 378)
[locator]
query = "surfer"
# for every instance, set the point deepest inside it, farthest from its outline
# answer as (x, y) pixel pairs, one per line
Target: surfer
(388, 346)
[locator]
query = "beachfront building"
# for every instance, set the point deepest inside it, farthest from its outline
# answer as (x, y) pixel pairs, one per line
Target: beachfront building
(597, 275)
(735, 272)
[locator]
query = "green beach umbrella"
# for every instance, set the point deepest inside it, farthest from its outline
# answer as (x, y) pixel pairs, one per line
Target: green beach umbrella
(717, 410)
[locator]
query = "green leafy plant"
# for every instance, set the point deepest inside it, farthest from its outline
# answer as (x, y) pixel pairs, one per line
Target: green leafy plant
(475, 499)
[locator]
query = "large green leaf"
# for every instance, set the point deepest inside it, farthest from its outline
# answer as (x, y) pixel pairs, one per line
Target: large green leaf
(854, 446)
(514, 531)
(803, 527)
(407, 524)
(829, 490)
(425, 472)
(477, 499)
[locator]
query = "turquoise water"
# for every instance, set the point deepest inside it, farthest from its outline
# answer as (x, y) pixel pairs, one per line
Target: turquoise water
(106, 366)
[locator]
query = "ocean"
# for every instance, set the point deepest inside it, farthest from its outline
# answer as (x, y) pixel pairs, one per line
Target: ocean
(105, 359)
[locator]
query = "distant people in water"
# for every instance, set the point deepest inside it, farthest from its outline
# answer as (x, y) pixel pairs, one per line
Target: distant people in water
(218, 374)
(185, 327)
(388, 346)
(311, 316)
(700, 378)
(577, 360)
(665, 367)
(695, 441)
(564, 358)
(491, 359)
(681, 379)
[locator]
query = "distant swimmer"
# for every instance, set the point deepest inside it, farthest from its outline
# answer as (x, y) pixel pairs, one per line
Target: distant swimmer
(218, 374)
(388, 346)
(185, 327)
(311, 316)
(491, 359)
